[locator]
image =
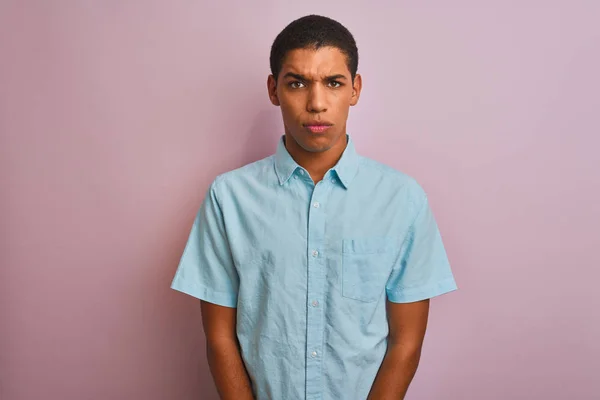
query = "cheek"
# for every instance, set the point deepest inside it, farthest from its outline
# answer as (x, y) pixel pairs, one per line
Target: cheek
(341, 104)
(291, 109)
(341, 98)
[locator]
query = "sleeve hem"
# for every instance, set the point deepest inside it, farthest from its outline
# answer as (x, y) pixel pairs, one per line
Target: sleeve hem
(410, 295)
(206, 294)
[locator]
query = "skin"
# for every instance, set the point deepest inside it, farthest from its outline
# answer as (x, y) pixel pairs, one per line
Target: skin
(316, 85)
(223, 352)
(407, 325)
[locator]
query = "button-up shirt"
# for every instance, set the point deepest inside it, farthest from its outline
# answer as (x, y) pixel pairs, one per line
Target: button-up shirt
(309, 268)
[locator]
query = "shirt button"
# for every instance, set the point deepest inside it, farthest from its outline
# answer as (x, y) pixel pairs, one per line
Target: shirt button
(295, 177)
(333, 181)
(301, 172)
(315, 253)
(316, 204)
(313, 354)
(315, 303)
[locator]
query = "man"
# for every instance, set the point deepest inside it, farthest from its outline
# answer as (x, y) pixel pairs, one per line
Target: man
(315, 266)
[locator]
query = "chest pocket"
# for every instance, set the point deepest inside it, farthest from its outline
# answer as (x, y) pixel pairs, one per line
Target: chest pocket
(366, 266)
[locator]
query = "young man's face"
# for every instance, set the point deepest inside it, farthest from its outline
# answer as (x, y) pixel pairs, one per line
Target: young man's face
(315, 91)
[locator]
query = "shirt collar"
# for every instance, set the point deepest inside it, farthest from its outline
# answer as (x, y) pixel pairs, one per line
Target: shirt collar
(346, 168)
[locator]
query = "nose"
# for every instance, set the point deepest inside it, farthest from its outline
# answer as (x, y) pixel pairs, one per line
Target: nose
(316, 101)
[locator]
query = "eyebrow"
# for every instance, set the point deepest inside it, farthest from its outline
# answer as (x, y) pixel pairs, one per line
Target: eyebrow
(305, 79)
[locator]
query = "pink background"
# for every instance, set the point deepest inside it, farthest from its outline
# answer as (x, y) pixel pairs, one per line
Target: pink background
(115, 116)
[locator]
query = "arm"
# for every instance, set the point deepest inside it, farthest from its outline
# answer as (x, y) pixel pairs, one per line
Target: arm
(407, 323)
(223, 353)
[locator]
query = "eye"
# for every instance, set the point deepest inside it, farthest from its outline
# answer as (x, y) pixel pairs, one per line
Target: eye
(335, 84)
(296, 85)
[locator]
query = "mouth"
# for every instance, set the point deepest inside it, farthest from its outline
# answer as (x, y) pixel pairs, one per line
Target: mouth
(317, 127)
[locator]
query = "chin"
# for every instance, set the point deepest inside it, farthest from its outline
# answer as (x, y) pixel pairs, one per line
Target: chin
(317, 149)
(316, 143)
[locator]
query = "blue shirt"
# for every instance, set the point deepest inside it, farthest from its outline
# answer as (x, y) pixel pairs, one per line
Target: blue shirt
(309, 268)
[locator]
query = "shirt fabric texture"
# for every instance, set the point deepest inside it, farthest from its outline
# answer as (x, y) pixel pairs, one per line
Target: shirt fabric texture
(309, 268)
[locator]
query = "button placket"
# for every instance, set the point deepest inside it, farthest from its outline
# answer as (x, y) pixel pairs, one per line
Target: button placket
(316, 286)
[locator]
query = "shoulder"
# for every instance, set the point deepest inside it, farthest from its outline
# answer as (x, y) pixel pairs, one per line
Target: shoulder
(395, 180)
(241, 177)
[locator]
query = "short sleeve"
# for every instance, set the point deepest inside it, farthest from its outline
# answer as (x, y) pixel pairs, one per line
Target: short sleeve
(206, 269)
(423, 270)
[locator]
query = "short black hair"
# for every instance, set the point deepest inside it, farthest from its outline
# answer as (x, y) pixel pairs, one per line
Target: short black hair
(314, 31)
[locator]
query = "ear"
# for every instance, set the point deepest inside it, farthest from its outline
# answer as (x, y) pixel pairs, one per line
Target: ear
(272, 88)
(356, 88)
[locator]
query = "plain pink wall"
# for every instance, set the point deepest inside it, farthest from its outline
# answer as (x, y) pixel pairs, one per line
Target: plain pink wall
(115, 116)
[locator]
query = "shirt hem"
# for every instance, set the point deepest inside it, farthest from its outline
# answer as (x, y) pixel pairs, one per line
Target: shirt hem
(410, 295)
(206, 294)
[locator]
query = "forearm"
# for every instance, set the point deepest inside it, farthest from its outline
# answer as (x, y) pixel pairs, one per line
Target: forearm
(396, 372)
(228, 370)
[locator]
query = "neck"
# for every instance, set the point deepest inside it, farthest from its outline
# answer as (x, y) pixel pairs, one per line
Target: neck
(317, 164)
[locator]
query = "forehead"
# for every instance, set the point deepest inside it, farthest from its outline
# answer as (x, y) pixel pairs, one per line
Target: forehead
(309, 62)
